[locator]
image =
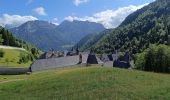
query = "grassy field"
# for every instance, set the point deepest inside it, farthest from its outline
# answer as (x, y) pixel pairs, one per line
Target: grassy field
(11, 58)
(92, 83)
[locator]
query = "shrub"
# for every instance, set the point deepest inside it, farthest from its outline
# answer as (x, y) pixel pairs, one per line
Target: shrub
(2, 53)
(156, 58)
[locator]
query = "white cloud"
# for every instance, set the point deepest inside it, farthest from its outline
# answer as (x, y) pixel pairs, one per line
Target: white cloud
(40, 11)
(109, 18)
(55, 21)
(78, 2)
(72, 18)
(15, 20)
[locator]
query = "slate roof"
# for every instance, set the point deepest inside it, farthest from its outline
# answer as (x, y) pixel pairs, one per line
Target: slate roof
(109, 59)
(108, 64)
(42, 64)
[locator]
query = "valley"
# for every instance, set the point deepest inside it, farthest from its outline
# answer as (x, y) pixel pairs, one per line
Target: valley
(66, 50)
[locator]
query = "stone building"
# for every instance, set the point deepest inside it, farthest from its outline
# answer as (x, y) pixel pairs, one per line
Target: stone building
(124, 62)
(65, 61)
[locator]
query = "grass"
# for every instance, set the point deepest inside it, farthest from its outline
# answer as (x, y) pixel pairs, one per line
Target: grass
(92, 83)
(11, 58)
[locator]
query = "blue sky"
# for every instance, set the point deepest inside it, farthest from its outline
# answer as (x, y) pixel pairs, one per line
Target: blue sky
(55, 11)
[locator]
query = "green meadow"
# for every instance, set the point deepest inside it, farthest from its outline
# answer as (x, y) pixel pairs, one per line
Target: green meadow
(87, 83)
(11, 58)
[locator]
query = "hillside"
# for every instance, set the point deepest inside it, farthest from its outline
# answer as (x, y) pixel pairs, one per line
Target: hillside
(45, 35)
(93, 83)
(89, 40)
(149, 25)
(11, 58)
(14, 51)
(13, 48)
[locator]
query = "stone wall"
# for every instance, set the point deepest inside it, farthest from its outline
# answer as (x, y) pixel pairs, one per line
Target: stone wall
(43, 64)
(13, 71)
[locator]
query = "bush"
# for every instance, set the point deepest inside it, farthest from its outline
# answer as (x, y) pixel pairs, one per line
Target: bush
(2, 53)
(25, 57)
(156, 59)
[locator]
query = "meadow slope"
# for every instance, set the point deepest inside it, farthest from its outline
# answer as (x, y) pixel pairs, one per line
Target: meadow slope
(88, 83)
(11, 58)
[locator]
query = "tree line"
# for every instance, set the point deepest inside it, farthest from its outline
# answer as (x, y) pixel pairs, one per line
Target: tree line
(156, 59)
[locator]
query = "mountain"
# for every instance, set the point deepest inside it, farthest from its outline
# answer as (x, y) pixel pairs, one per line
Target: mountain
(74, 31)
(149, 25)
(40, 33)
(46, 35)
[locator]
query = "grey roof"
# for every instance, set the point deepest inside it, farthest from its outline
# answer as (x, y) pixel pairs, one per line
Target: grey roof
(99, 61)
(49, 54)
(42, 64)
(105, 58)
(111, 57)
(108, 64)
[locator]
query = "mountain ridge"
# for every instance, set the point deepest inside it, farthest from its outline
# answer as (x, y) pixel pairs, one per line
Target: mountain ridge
(47, 36)
(148, 25)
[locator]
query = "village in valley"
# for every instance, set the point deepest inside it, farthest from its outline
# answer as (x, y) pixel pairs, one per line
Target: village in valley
(54, 59)
(84, 50)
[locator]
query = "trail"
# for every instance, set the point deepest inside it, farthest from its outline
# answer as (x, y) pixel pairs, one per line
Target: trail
(9, 47)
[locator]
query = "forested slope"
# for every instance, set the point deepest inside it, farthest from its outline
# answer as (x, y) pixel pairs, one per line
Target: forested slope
(149, 25)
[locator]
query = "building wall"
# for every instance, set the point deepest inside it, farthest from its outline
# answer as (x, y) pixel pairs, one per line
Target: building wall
(43, 64)
(13, 71)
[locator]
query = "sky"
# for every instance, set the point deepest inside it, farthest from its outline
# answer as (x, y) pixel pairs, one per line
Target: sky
(110, 13)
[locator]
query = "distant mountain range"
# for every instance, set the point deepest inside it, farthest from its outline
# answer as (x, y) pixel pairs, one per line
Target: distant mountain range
(47, 36)
(149, 25)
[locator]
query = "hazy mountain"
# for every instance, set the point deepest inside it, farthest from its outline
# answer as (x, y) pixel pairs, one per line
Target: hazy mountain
(149, 25)
(40, 33)
(46, 35)
(74, 31)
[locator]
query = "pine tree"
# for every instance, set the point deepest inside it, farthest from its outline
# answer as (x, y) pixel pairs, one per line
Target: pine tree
(5, 37)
